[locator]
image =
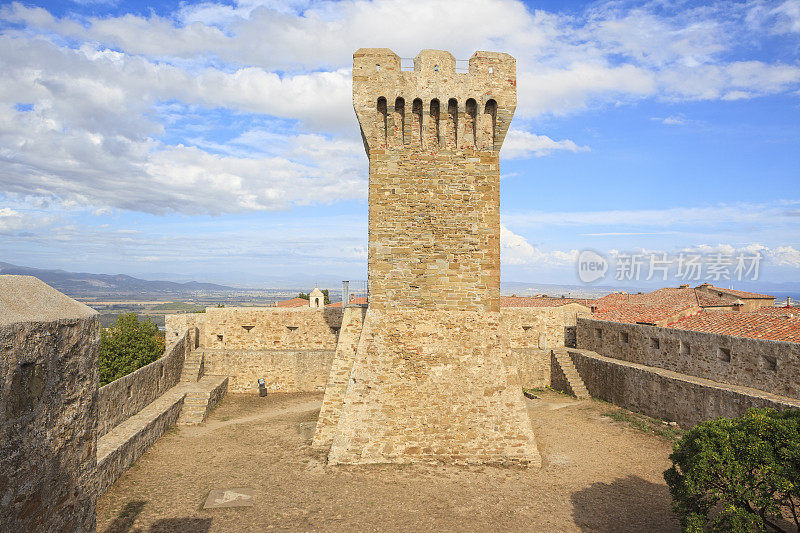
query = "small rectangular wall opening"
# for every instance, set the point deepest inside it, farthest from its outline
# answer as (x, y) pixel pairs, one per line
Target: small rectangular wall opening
(686, 348)
(335, 330)
(623, 337)
(655, 343)
(769, 362)
(248, 328)
(292, 328)
(724, 354)
(219, 337)
(598, 333)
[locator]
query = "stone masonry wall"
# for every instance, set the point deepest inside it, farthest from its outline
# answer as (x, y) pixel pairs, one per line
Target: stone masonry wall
(665, 394)
(282, 370)
(49, 347)
(432, 379)
(126, 396)
(533, 367)
(433, 386)
(531, 332)
(433, 137)
(770, 366)
(339, 377)
(271, 328)
(446, 208)
(176, 325)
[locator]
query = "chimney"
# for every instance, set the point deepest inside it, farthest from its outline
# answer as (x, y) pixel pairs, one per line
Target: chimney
(685, 286)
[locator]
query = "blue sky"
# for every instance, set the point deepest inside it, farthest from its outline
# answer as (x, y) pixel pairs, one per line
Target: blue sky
(217, 141)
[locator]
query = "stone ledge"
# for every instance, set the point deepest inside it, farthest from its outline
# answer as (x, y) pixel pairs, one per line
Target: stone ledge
(118, 449)
(669, 395)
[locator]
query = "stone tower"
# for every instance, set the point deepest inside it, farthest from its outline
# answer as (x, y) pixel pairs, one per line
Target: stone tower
(430, 379)
(316, 300)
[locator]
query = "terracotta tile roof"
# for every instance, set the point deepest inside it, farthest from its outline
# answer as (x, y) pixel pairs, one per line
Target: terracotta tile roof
(640, 313)
(756, 325)
(778, 311)
(672, 296)
(540, 301)
(293, 302)
(737, 293)
(361, 300)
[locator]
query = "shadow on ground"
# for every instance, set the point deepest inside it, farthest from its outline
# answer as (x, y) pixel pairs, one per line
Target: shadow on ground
(625, 504)
(123, 523)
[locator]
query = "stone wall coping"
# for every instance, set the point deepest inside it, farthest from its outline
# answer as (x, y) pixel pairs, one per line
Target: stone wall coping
(243, 309)
(268, 350)
(747, 391)
(29, 299)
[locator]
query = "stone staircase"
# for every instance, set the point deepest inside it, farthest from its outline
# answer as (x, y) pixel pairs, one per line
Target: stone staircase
(202, 398)
(564, 376)
(193, 367)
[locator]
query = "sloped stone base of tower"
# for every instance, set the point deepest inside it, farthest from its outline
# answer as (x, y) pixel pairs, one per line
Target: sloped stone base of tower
(342, 364)
(433, 386)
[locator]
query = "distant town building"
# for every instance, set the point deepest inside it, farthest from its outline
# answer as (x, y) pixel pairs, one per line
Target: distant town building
(750, 300)
(316, 299)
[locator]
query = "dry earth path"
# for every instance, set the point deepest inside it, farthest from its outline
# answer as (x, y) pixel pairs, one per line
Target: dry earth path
(598, 475)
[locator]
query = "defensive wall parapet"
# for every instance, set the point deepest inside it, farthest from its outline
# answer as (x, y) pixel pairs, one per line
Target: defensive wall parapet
(126, 396)
(175, 325)
(434, 107)
(769, 366)
(49, 346)
(297, 370)
(668, 395)
(272, 328)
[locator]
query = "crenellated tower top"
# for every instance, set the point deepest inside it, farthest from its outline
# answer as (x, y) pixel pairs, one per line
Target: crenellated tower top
(434, 107)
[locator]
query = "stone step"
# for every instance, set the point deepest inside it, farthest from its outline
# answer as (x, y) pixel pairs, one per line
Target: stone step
(192, 367)
(198, 403)
(195, 401)
(575, 384)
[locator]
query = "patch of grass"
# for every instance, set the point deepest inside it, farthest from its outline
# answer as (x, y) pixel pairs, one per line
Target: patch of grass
(533, 390)
(538, 390)
(646, 424)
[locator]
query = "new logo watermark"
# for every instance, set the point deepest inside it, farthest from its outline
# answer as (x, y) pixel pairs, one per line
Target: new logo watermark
(685, 266)
(591, 266)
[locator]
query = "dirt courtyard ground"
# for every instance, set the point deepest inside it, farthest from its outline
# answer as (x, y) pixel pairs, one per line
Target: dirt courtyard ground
(598, 475)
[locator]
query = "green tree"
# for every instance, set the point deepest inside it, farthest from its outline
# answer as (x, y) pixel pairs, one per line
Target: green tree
(127, 345)
(740, 474)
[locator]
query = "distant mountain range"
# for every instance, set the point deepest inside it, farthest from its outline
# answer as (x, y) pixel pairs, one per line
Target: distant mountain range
(84, 284)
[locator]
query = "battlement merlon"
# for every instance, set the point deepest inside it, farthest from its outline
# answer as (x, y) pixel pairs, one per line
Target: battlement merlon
(434, 107)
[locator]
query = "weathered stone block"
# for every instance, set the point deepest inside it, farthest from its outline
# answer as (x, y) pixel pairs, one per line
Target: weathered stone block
(48, 408)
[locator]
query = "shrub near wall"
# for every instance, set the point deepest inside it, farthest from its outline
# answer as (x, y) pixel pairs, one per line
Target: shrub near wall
(123, 398)
(128, 345)
(740, 474)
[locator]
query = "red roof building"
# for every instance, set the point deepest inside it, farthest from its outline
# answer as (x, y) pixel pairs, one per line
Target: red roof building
(540, 301)
(659, 307)
(750, 300)
(292, 302)
(763, 324)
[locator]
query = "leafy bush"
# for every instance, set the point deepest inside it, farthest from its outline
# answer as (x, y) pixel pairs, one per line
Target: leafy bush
(127, 346)
(740, 474)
